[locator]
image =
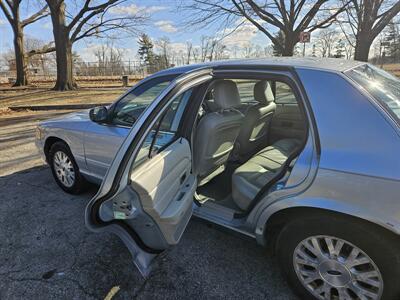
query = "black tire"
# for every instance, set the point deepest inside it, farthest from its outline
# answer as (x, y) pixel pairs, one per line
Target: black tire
(79, 183)
(381, 246)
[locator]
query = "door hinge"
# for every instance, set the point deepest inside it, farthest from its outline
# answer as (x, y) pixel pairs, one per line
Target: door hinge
(123, 209)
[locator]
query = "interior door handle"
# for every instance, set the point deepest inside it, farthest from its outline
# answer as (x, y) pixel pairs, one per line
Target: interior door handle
(183, 178)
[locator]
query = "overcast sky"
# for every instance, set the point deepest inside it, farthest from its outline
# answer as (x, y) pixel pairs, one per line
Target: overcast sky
(166, 20)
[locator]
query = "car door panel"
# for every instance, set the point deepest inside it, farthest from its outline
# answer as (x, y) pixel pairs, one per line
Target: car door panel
(167, 176)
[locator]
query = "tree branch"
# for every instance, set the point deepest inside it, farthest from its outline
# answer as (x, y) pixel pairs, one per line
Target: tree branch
(45, 49)
(327, 22)
(385, 19)
(37, 16)
(6, 12)
(94, 9)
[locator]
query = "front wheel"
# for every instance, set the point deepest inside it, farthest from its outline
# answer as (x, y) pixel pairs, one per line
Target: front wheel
(338, 258)
(65, 170)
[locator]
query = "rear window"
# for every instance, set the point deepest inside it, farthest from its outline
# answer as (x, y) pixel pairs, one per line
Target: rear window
(381, 85)
(284, 94)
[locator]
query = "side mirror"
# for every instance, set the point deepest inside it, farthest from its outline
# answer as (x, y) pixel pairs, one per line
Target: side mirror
(98, 114)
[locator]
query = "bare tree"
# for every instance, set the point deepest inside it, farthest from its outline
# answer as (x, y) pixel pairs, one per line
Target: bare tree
(164, 46)
(325, 42)
(204, 48)
(88, 19)
(196, 53)
(268, 16)
(220, 51)
(248, 50)
(365, 19)
(11, 9)
(211, 48)
(189, 50)
(109, 59)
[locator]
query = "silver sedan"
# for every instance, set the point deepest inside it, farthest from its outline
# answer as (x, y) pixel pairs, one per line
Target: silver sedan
(301, 155)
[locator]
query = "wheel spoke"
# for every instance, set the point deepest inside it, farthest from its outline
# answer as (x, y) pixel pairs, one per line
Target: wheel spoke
(313, 246)
(343, 294)
(338, 247)
(307, 262)
(352, 258)
(309, 276)
(324, 290)
(362, 292)
(329, 244)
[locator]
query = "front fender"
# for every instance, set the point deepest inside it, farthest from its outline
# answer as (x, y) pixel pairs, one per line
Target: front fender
(74, 140)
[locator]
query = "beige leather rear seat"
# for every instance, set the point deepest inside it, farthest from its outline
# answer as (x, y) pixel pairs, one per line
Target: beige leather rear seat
(249, 178)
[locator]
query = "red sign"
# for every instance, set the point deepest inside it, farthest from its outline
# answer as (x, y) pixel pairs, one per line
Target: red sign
(305, 37)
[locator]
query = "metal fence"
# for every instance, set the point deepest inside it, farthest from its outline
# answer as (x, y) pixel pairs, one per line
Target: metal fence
(95, 71)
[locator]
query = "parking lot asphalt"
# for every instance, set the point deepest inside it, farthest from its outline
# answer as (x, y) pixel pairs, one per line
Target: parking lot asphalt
(46, 252)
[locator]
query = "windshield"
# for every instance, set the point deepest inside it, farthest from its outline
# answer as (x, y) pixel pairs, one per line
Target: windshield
(381, 85)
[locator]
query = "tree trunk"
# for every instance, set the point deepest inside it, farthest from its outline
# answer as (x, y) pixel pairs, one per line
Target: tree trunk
(361, 51)
(289, 43)
(20, 61)
(288, 51)
(65, 77)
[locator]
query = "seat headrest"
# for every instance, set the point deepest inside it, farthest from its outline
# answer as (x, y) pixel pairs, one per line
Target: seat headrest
(226, 94)
(263, 92)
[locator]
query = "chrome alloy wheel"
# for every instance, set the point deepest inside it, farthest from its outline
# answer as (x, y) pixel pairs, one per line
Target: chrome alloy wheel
(334, 269)
(64, 168)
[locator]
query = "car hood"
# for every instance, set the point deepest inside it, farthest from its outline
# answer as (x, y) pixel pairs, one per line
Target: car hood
(75, 117)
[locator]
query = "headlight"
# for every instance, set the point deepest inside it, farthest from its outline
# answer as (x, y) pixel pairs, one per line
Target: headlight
(39, 133)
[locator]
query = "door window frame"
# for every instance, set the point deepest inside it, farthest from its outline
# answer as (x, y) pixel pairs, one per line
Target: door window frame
(177, 134)
(130, 147)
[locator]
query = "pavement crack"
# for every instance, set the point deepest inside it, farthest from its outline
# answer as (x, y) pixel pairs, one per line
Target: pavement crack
(8, 273)
(81, 287)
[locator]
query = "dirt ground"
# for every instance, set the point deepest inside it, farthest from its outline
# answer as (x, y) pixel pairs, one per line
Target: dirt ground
(22, 97)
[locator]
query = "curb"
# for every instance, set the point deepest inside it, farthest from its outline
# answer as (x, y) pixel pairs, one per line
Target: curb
(56, 107)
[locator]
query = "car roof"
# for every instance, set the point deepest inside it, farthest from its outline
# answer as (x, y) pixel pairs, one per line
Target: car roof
(327, 64)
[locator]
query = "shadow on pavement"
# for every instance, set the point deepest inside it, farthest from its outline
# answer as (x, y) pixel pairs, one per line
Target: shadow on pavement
(17, 140)
(47, 252)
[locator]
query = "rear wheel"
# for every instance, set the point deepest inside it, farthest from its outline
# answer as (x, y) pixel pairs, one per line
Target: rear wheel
(65, 170)
(334, 258)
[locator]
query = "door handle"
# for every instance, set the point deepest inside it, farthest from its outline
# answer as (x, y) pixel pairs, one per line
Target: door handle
(183, 178)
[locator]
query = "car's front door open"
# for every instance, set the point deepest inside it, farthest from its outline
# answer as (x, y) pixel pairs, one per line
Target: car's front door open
(147, 195)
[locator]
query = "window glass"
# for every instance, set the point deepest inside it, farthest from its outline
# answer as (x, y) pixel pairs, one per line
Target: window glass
(381, 85)
(284, 94)
(246, 90)
(130, 107)
(164, 131)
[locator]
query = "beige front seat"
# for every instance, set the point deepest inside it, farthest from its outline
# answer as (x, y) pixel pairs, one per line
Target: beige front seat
(217, 131)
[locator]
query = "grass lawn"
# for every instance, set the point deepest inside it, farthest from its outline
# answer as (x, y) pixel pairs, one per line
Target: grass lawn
(39, 96)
